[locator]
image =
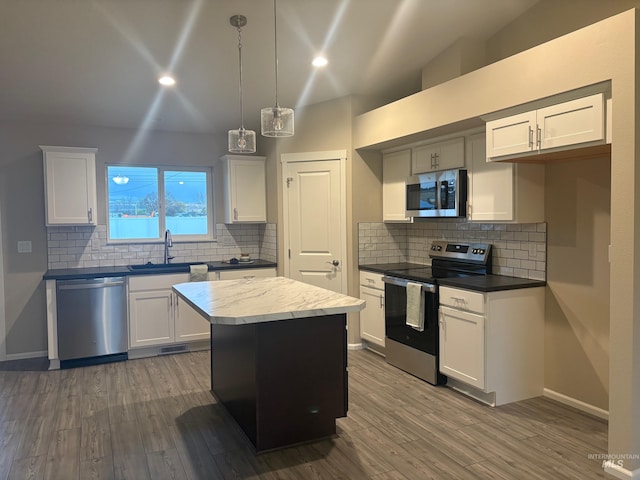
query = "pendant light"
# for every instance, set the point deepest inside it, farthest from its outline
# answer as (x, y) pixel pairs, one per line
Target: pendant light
(276, 121)
(241, 140)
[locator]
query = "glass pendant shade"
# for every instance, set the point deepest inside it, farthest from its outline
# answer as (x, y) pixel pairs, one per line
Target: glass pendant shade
(242, 141)
(277, 121)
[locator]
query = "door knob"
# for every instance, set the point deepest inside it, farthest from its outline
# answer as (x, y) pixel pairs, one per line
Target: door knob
(335, 263)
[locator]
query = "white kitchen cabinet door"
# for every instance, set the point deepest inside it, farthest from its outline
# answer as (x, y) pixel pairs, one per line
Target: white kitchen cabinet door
(444, 155)
(576, 123)
(503, 191)
(372, 316)
(151, 318)
(70, 185)
(189, 324)
(512, 135)
(462, 346)
(396, 167)
(247, 273)
(570, 123)
(244, 189)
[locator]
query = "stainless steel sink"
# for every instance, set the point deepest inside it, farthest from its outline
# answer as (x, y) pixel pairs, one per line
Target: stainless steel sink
(163, 267)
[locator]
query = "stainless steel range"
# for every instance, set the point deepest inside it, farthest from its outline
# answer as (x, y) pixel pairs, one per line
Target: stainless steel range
(407, 347)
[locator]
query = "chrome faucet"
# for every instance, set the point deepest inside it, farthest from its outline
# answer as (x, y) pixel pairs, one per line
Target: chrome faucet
(168, 242)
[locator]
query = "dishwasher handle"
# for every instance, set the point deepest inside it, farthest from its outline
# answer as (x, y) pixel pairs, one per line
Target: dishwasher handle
(83, 284)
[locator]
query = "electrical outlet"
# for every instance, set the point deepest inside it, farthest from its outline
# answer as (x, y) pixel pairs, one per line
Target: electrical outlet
(24, 246)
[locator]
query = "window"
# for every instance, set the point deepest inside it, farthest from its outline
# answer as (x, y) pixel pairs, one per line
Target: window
(144, 201)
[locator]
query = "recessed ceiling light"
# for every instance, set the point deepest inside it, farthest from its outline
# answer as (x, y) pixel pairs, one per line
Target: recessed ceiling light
(319, 61)
(167, 81)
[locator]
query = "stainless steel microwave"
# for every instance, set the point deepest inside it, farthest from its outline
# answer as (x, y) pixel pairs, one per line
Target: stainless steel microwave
(437, 194)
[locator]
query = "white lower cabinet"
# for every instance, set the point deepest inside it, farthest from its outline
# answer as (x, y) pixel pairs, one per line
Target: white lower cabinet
(152, 309)
(151, 319)
(372, 316)
(491, 344)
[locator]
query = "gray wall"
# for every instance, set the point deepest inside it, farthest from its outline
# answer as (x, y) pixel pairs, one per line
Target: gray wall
(22, 202)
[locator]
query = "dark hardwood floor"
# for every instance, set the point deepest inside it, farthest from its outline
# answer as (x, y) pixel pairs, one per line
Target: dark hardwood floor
(155, 419)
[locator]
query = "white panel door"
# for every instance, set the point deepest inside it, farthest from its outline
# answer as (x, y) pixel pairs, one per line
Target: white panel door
(571, 123)
(190, 325)
(315, 221)
(510, 135)
(462, 346)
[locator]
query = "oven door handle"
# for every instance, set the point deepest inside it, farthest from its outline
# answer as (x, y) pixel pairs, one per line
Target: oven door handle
(402, 282)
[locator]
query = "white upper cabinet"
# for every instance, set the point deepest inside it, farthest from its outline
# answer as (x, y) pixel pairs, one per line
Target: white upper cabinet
(444, 155)
(245, 195)
(579, 122)
(396, 167)
(70, 185)
(503, 191)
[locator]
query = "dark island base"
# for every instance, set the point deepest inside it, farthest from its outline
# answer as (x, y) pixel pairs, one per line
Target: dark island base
(284, 382)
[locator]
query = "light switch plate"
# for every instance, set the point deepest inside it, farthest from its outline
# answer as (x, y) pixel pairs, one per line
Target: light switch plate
(24, 246)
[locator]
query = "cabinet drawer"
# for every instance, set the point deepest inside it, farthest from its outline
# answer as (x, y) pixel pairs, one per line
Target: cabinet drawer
(156, 282)
(371, 279)
(463, 299)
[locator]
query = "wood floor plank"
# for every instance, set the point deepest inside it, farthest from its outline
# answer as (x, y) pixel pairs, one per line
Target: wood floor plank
(117, 378)
(155, 434)
(194, 454)
(70, 382)
(94, 379)
(122, 407)
(166, 465)
(36, 437)
(131, 466)
(68, 412)
(10, 434)
(97, 469)
(63, 457)
(96, 438)
(28, 468)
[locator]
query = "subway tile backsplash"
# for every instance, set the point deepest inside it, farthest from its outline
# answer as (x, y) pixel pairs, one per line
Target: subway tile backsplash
(519, 250)
(84, 246)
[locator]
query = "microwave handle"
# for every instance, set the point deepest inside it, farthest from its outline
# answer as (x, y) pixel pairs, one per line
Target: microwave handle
(443, 192)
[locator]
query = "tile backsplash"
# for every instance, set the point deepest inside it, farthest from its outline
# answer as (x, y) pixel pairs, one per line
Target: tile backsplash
(519, 250)
(85, 246)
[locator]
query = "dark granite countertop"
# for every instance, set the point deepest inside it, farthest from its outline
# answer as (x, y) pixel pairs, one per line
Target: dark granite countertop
(94, 272)
(490, 283)
(480, 283)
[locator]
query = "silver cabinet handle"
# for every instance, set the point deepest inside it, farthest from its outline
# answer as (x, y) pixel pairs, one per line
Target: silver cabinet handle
(90, 215)
(539, 136)
(530, 138)
(235, 213)
(381, 300)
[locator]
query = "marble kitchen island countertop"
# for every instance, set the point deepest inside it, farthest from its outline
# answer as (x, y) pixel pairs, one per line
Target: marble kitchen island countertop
(257, 300)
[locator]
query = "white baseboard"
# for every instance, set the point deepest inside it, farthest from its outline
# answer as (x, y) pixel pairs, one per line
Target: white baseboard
(23, 356)
(355, 346)
(575, 403)
(619, 471)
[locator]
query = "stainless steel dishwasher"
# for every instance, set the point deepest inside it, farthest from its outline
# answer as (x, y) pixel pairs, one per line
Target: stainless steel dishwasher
(92, 320)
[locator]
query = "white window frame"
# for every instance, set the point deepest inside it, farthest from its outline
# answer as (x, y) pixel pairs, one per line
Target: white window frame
(211, 214)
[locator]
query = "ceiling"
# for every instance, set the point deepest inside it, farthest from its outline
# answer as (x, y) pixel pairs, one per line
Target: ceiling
(96, 62)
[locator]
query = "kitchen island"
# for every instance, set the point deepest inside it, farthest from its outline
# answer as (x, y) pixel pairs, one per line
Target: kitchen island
(278, 355)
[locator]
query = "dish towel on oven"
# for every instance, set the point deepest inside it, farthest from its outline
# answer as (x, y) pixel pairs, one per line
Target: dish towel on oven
(415, 306)
(198, 273)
